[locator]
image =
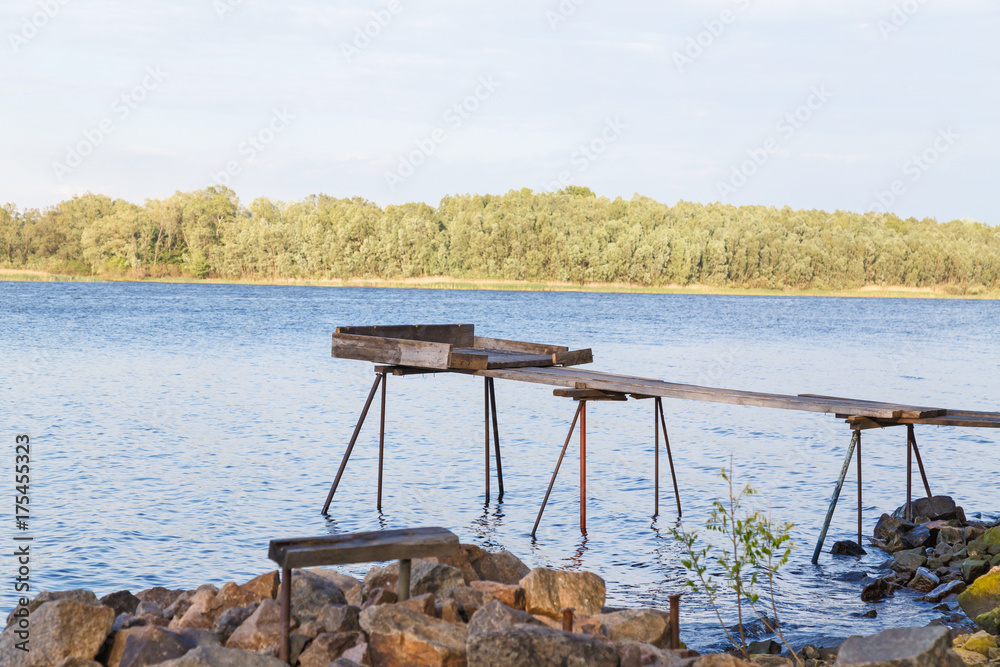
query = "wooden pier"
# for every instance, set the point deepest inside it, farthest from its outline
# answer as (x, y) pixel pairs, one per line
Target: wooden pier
(454, 348)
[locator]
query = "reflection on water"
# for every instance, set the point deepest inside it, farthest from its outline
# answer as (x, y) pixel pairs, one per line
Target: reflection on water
(176, 429)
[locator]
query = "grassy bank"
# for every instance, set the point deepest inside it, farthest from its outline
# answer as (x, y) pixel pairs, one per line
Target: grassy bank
(444, 282)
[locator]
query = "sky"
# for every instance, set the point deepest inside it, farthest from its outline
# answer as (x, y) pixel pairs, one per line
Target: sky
(857, 105)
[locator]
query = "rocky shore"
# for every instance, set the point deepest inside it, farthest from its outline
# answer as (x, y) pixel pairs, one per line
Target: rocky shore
(478, 609)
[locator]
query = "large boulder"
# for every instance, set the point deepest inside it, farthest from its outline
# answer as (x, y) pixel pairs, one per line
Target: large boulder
(342, 581)
(548, 592)
(495, 616)
(401, 637)
(58, 629)
(503, 567)
(79, 594)
(340, 618)
(162, 597)
(648, 626)
(229, 620)
(944, 590)
(261, 631)
(510, 595)
(900, 647)
(982, 596)
(934, 508)
(469, 599)
(924, 580)
(425, 577)
(122, 602)
(202, 611)
(216, 656)
(532, 646)
(908, 561)
(145, 645)
(636, 654)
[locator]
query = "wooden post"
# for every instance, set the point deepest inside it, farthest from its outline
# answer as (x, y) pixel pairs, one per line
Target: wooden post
(496, 437)
(486, 402)
(909, 472)
(656, 457)
(859, 488)
(583, 466)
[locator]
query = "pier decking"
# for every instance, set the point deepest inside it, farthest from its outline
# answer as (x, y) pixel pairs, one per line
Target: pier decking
(420, 349)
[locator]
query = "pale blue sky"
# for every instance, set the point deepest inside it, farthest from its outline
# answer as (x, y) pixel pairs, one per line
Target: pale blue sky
(874, 83)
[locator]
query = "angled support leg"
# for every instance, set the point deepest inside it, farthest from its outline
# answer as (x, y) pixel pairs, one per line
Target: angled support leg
(381, 445)
(354, 439)
(572, 427)
(920, 463)
(670, 457)
(908, 514)
(855, 439)
(496, 437)
(486, 403)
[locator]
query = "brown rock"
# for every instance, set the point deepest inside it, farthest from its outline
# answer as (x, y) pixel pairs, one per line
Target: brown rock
(230, 619)
(342, 581)
(401, 637)
(447, 610)
(264, 586)
(924, 581)
(460, 560)
(771, 661)
(494, 616)
(648, 626)
(425, 604)
(80, 595)
(232, 595)
(74, 661)
(163, 597)
(122, 602)
(637, 654)
(548, 592)
(531, 646)
(59, 629)
(340, 618)
(379, 596)
(901, 647)
(179, 607)
(312, 629)
(148, 645)
(202, 611)
(714, 660)
(311, 593)
(469, 599)
(425, 577)
(503, 567)
(353, 595)
(216, 656)
(354, 656)
(329, 646)
(510, 595)
(261, 630)
(196, 637)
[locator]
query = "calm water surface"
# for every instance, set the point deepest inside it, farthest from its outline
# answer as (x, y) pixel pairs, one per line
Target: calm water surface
(176, 429)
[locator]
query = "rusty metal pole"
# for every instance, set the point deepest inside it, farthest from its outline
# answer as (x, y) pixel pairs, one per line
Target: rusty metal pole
(909, 471)
(656, 457)
(859, 488)
(567, 619)
(583, 466)
(286, 613)
(670, 460)
(675, 621)
(350, 447)
(486, 402)
(496, 437)
(920, 463)
(403, 581)
(381, 445)
(569, 436)
(836, 495)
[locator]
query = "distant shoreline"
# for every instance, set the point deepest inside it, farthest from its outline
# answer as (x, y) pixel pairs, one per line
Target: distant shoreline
(445, 282)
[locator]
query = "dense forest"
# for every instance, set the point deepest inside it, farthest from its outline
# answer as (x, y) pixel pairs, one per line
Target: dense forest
(571, 235)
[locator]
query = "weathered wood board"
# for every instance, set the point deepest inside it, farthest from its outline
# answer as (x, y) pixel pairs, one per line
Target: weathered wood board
(372, 547)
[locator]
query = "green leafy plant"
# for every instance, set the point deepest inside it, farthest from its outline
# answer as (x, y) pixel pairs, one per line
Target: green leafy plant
(753, 545)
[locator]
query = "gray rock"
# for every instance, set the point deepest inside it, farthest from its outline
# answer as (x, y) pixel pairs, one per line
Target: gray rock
(847, 548)
(951, 535)
(901, 647)
(344, 662)
(916, 537)
(122, 602)
(232, 618)
(503, 567)
(876, 591)
(934, 508)
(469, 600)
(216, 656)
(396, 634)
(148, 608)
(425, 577)
(494, 616)
(328, 647)
(59, 629)
(150, 645)
(161, 596)
(311, 593)
(260, 631)
(924, 580)
(972, 569)
(943, 591)
(531, 646)
(340, 618)
(196, 638)
(764, 647)
(647, 626)
(636, 654)
(74, 661)
(80, 595)
(907, 561)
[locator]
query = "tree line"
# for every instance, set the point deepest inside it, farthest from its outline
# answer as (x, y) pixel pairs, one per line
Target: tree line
(570, 235)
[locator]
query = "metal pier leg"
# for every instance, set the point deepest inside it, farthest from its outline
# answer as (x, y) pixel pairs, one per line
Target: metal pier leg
(286, 613)
(350, 447)
(583, 466)
(656, 457)
(909, 472)
(670, 458)
(486, 402)
(920, 463)
(496, 437)
(381, 445)
(836, 494)
(859, 488)
(572, 427)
